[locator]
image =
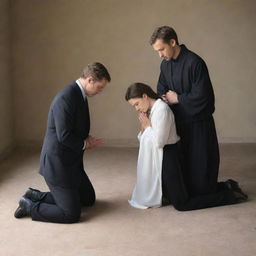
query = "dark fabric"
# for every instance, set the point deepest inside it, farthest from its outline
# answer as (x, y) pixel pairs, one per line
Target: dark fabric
(61, 160)
(67, 127)
(188, 76)
(199, 153)
(175, 191)
(63, 205)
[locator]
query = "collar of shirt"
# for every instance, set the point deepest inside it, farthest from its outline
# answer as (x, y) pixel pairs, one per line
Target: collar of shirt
(81, 88)
(183, 50)
(154, 106)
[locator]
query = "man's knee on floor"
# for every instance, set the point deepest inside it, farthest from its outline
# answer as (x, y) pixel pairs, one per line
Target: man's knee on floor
(73, 216)
(180, 204)
(72, 219)
(89, 201)
(180, 208)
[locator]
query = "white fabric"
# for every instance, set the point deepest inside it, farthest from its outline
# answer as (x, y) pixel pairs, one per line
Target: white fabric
(81, 88)
(148, 189)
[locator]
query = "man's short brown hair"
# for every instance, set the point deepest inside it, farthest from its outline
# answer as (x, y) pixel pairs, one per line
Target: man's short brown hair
(165, 33)
(97, 71)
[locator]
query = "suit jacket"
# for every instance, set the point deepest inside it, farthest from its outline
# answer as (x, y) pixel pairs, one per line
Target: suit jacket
(61, 160)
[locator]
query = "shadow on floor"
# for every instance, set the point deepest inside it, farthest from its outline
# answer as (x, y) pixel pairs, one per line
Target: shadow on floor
(101, 207)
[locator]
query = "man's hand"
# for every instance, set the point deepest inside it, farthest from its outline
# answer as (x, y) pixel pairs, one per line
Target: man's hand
(92, 142)
(172, 97)
(144, 121)
(164, 98)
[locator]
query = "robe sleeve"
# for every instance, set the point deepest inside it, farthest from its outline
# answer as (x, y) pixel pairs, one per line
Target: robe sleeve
(162, 86)
(160, 129)
(64, 122)
(197, 99)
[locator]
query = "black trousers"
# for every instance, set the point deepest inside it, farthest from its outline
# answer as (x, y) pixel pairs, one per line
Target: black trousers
(199, 150)
(63, 205)
(174, 188)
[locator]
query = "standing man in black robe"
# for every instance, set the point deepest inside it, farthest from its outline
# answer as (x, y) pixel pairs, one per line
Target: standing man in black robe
(61, 161)
(184, 84)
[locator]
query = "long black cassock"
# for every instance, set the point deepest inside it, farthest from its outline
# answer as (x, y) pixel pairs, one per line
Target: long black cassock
(188, 76)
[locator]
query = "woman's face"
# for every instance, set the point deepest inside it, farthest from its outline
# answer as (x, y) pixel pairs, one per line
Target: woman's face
(140, 104)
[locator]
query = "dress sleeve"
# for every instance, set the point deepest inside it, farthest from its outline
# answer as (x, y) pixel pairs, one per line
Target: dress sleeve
(201, 93)
(160, 129)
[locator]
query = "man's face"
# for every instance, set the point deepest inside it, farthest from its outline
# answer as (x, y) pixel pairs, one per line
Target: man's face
(95, 86)
(165, 51)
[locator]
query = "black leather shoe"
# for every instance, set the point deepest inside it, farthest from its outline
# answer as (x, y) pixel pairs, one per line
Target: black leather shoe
(24, 208)
(33, 194)
(239, 194)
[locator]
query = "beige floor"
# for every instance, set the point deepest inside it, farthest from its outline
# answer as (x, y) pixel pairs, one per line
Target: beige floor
(113, 228)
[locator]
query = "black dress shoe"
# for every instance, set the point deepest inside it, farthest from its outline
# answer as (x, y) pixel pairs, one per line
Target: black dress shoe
(33, 194)
(239, 194)
(24, 208)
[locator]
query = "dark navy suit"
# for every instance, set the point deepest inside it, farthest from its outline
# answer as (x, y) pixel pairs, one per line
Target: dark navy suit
(61, 161)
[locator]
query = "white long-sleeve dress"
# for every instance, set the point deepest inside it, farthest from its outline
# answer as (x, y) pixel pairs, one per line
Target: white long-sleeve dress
(148, 189)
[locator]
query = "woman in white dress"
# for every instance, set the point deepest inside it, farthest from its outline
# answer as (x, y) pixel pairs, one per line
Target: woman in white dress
(157, 130)
(158, 168)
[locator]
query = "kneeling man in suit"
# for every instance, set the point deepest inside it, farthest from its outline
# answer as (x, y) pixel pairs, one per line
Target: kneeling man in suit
(61, 160)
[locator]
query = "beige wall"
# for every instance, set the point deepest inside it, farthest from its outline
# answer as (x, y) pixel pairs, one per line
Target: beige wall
(6, 99)
(54, 39)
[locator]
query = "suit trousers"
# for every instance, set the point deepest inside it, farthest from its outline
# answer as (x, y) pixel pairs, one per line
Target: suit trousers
(175, 190)
(63, 205)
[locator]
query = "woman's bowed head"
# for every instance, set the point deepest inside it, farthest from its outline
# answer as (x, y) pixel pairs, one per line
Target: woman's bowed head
(142, 98)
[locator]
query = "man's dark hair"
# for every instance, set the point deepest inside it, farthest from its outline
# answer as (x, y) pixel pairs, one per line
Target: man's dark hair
(137, 90)
(97, 71)
(165, 33)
